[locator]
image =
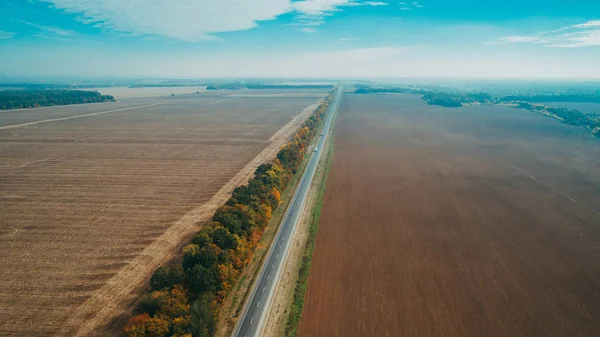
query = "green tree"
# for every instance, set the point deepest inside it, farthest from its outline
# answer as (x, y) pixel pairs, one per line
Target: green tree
(167, 277)
(190, 256)
(201, 279)
(223, 238)
(203, 317)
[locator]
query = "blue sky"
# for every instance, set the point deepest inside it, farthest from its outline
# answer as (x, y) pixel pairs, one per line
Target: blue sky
(308, 38)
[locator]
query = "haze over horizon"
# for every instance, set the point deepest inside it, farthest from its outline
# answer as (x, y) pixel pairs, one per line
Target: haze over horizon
(308, 38)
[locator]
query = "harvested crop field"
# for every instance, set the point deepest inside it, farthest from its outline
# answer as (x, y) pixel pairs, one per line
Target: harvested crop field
(94, 197)
(478, 221)
(126, 92)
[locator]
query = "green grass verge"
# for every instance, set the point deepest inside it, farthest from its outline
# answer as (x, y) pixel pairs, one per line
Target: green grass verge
(313, 226)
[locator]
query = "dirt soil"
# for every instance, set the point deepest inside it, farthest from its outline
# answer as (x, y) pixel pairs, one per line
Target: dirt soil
(91, 205)
(478, 221)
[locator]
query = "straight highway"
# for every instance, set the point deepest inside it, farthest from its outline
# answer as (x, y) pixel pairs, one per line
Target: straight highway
(252, 318)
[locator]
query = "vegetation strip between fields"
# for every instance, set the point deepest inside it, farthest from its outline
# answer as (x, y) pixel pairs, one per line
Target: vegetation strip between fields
(186, 298)
(20, 99)
(234, 304)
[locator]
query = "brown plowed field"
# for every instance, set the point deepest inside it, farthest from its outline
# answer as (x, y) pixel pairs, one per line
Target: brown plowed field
(478, 221)
(94, 197)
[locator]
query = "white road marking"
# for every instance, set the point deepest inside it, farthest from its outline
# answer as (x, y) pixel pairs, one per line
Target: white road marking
(252, 320)
(263, 289)
(268, 276)
(257, 304)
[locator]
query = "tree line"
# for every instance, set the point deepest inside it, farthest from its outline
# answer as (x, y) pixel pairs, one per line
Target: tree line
(553, 98)
(184, 299)
(432, 97)
(568, 116)
(240, 85)
(18, 99)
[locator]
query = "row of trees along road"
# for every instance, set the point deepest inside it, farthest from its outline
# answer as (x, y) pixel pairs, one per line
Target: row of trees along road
(184, 299)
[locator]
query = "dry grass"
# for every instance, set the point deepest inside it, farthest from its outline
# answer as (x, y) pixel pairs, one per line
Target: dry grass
(479, 221)
(90, 206)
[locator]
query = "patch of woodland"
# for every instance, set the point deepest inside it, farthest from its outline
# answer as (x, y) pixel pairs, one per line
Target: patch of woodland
(18, 99)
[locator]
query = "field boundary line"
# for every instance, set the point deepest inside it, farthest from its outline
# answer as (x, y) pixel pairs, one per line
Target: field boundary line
(299, 117)
(14, 126)
(277, 318)
(225, 329)
(304, 258)
(121, 290)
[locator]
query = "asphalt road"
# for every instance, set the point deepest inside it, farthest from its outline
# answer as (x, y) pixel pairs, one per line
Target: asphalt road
(252, 318)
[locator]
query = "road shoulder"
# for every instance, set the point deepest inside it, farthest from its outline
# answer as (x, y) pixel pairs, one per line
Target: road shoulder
(300, 252)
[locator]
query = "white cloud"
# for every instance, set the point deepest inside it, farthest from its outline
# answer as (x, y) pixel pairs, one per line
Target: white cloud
(50, 31)
(375, 3)
(6, 35)
(589, 24)
(585, 34)
(407, 6)
(190, 20)
(320, 7)
(195, 20)
(308, 30)
(311, 12)
(346, 39)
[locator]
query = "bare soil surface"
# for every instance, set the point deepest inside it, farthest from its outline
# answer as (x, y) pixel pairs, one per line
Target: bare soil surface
(478, 221)
(90, 206)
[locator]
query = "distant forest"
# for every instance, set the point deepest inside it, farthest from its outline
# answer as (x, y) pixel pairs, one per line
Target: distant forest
(17, 99)
(238, 86)
(53, 86)
(235, 86)
(433, 97)
(554, 98)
